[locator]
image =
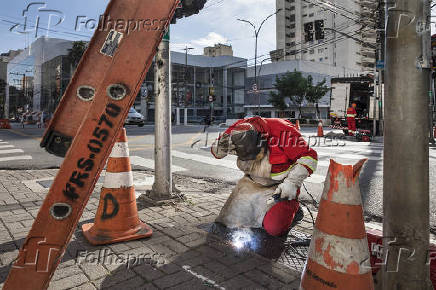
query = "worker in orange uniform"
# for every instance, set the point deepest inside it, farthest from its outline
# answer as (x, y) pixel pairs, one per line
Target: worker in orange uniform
(351, 119)
(276, 160)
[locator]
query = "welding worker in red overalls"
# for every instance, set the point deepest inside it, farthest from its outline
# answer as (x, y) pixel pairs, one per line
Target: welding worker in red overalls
(276, 160)
(351, 119)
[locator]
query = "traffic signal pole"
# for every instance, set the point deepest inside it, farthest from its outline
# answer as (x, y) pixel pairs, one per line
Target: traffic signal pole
(406, 153)
(163, 184)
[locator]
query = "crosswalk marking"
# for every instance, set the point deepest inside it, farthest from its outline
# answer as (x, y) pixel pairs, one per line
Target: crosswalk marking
(6, 146)
(314, 178)
(11, 151)
(343, 149)
(11, 158)
(208, 160)
(350, 156)
(149, 163)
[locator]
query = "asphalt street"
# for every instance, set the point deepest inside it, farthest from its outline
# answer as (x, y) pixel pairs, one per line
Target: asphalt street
(20, 150)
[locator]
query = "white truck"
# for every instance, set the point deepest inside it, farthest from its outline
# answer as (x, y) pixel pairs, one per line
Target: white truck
(358, 90)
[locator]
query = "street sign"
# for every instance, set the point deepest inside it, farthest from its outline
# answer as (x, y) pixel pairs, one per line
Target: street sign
(167, 35)
(380, 64)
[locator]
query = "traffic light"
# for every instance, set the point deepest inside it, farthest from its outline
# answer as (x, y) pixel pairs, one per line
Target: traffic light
(188, 8)
(319, 29)
(308, 31)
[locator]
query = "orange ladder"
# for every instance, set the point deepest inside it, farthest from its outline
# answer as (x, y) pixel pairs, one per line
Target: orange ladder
(110, 74)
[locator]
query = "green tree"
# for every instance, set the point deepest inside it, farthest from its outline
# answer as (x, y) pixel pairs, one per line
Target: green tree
(292, 85)
(316, 92)
(76, 53)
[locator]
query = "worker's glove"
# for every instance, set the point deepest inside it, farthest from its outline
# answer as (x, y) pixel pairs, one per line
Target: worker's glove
(288, 189)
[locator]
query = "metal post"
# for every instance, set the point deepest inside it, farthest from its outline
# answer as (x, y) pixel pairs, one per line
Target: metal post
(6, 110)
(144, 104)
(255, 71)
(225, 85)
(406, 152)
(374, 107)
(185, 116)
(430, 108)
(178, 116)
(163, 183)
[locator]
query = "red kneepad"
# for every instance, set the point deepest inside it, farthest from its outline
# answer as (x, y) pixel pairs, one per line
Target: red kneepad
(279, 218)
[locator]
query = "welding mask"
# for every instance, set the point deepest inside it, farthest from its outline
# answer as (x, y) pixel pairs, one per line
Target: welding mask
(246, 141)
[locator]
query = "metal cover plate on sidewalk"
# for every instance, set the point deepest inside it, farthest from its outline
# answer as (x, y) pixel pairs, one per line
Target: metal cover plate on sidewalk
(290, 250)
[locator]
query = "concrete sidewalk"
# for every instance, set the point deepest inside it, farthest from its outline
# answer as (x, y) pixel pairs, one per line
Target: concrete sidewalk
(181, 254)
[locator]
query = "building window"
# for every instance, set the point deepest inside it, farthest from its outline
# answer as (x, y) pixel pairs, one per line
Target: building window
(312, 51)
(321, 59)
(326, 57)
(292, 18)
(311, 15)
(312, 60)
(304, 15)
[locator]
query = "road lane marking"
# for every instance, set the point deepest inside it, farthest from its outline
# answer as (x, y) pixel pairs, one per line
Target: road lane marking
(11, 151)
(149, 163)
(7, 146)
(208, 160)
(345, 149)
(314, 178)
(349, 156)
(4, 143)
(23, 157)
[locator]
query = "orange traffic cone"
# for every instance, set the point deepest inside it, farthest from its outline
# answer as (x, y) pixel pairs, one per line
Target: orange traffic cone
(117, 218)
(320, 129)
(338, 253)
(297, 124)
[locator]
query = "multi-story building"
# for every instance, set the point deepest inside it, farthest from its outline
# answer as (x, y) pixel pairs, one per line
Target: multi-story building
(56, 76)
(339, 33)
(218, 50)
(257, 102)
(25, 71)
(4, 91)
(195, 79)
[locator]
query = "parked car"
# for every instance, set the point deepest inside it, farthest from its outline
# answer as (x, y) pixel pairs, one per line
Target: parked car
(135, 118)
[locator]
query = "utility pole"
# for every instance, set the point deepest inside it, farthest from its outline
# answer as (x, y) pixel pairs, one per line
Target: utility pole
(185, 81)
(6, 107)
(406, 152)
(163, 184)
(431, 108)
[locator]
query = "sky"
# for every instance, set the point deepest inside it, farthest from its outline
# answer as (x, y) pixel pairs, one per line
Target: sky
(216, 23)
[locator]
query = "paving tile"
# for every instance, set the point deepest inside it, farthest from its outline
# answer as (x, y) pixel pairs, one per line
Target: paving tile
(173, 279)
(68, 282)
